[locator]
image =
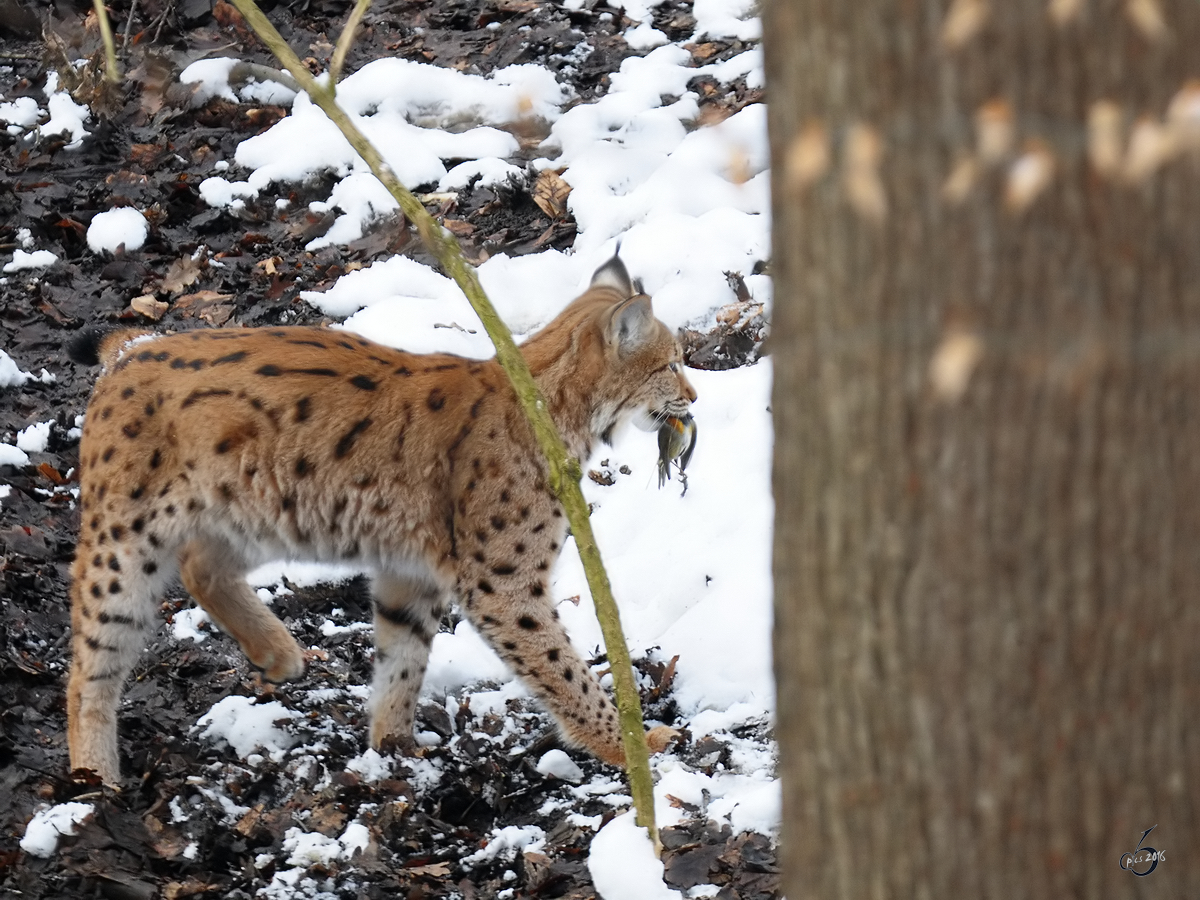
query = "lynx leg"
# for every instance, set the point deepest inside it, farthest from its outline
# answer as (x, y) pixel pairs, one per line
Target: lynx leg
(214, 574)
(527, 635)
(407, 613)
(112, 611)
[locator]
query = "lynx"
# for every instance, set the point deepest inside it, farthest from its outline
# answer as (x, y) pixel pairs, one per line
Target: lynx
(209, 452)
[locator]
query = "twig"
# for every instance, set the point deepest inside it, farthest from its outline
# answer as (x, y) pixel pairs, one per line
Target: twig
(344, 42)
(245, 71)
(128, 29)
(565, 472)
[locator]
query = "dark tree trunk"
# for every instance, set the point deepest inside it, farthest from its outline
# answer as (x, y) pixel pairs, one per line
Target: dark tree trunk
(987, 467)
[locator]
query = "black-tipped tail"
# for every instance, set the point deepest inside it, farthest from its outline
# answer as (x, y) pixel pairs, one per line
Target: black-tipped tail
(84, 348)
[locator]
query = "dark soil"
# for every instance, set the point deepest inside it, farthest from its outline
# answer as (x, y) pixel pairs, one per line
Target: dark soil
(151, 149)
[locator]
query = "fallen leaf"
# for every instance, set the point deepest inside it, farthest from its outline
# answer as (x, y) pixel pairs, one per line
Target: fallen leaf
(550, 194)
(180, 274)
(149, 306)
(433, 870)
(50, 473)
(459, 227)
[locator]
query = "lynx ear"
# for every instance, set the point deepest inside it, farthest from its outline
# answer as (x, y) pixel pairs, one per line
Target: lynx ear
(613, 274)
(633, 324)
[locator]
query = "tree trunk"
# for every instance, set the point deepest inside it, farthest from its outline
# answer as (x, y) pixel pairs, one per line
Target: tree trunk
(987, 467)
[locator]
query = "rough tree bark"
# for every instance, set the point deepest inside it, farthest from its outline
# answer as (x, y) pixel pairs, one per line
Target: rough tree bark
(987, 470)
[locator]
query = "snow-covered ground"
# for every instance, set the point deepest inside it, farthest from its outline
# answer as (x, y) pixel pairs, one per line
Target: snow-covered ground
(687, 204)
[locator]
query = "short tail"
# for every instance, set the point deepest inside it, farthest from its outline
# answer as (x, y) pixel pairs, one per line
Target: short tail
(99, 346)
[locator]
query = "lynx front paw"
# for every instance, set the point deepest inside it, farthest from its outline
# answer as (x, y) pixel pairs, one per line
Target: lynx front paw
(284, 661)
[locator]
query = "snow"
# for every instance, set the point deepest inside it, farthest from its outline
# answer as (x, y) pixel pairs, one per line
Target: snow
(305, 849)
(247, 726)
(186, 624)
(110, 229)
(10, 372)
(34, 438)
(623, 865)
(66, 116)
(12, 456)
(557, 764)
(19, 113)
(38, 259)
(506, 842)
(371, 766)
(48, 825)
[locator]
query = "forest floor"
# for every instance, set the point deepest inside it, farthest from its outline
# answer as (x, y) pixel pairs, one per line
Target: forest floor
(151, 149)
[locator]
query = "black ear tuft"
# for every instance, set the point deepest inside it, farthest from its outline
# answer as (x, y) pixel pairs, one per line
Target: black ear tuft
(84, 348)
(613, 274)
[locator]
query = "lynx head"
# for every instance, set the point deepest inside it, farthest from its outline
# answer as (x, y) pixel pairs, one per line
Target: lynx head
(606, 360)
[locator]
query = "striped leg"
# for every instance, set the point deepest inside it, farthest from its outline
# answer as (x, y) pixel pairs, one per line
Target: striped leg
(113, 595)
(407, 613)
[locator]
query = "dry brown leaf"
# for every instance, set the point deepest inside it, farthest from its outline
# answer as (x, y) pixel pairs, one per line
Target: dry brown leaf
(660, 738)
(50, 473)
(209, 306)
(460, 227)
(269, 264)
(550, 194)
(149, 306)
(168, 842)
(433, 870)
(181, 273)
(729, 315)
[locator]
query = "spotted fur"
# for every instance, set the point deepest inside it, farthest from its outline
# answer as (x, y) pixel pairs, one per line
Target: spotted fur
(207, 453)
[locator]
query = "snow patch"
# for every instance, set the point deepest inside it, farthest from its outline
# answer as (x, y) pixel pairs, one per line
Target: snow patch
(246, 726)
(623, 866)
(38, 259)
(557, 764)
(48, 825)
(34, 438)
(114, 227)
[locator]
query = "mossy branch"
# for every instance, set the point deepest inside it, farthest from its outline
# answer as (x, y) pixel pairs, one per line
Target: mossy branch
(565, 472)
